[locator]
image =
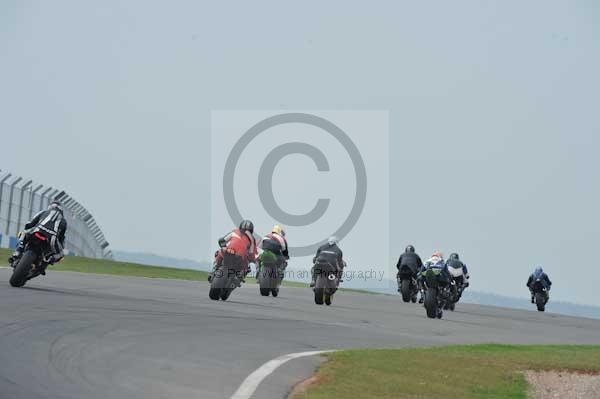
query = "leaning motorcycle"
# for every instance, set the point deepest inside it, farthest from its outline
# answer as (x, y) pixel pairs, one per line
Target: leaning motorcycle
(37, 254)
(407, 282)
(326, 283)
(457, 286)
(270, 273)
(540, 294)
(226, 277)
(437, 293)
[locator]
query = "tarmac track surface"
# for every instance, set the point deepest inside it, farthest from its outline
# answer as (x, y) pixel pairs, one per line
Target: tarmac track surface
(71, 335)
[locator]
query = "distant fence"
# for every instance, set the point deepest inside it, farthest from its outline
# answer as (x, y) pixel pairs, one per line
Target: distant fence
(21, 199)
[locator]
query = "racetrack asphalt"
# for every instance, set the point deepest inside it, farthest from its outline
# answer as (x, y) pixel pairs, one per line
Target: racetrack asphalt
(72, 335)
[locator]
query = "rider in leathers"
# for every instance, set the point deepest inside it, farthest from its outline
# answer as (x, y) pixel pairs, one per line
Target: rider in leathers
(51, 224)
(240, 243)
(435, 262)
(275, 249)
(544, 279)
(455, 263)
(411, 259)
(329, 253)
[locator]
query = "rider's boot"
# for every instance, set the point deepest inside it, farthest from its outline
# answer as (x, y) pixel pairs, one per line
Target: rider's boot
(245, 272)
(212, 272)
(15, 257)
(43, 267)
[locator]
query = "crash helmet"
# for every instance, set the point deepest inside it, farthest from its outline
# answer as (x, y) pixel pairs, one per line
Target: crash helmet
(246, 226)
(55, 205)
(277, 229)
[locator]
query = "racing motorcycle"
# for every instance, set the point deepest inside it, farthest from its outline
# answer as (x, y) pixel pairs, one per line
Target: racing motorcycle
(36, 256)
(540, 294)
(226, 277)
(327, 281)
(458, 283)
(407, 284)
(270, 273)
(437, 293)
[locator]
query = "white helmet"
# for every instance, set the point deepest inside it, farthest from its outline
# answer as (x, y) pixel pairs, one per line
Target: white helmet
(332, 240)
(55, 205)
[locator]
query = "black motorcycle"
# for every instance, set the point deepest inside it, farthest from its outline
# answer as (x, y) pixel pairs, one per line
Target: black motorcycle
(227, 277)
(540, 294)
(457, 288)
(37, 254)
(407, 284)
(326, 282)
(437, 293)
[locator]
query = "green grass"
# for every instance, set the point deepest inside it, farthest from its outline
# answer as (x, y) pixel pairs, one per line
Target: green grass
(101, 266)
(461, 372)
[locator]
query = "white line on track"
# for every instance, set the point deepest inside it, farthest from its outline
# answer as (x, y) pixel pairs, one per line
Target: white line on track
(251, 383)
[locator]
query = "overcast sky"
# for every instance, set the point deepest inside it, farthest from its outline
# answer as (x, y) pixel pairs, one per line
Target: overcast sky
(493, 108)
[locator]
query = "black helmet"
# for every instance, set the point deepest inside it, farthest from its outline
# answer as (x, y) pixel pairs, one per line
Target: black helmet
(454, 256)
(410, 249)
(247, 225)
(55, 205)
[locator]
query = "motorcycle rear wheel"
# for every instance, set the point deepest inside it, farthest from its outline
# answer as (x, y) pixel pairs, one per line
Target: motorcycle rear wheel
(19, 276)
(540, 301)
(431, 303)
(225, 292)
(319, 293)
(405, 290)
(214, 294)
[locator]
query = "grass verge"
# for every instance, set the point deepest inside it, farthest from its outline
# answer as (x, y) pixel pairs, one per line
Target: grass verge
(461, 372)
(101, 266)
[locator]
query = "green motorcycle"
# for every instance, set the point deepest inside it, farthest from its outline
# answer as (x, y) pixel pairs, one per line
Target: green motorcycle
(271, 269)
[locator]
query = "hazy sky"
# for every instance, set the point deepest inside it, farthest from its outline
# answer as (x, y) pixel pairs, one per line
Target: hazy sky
(493, 116)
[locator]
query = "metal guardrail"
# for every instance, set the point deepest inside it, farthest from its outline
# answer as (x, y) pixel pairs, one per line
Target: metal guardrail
(21, 199)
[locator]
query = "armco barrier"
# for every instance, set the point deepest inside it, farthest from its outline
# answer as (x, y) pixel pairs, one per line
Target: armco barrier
(21, 199)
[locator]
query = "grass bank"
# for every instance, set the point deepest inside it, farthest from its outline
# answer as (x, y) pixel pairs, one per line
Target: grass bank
(461, 372)
(101, 266)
